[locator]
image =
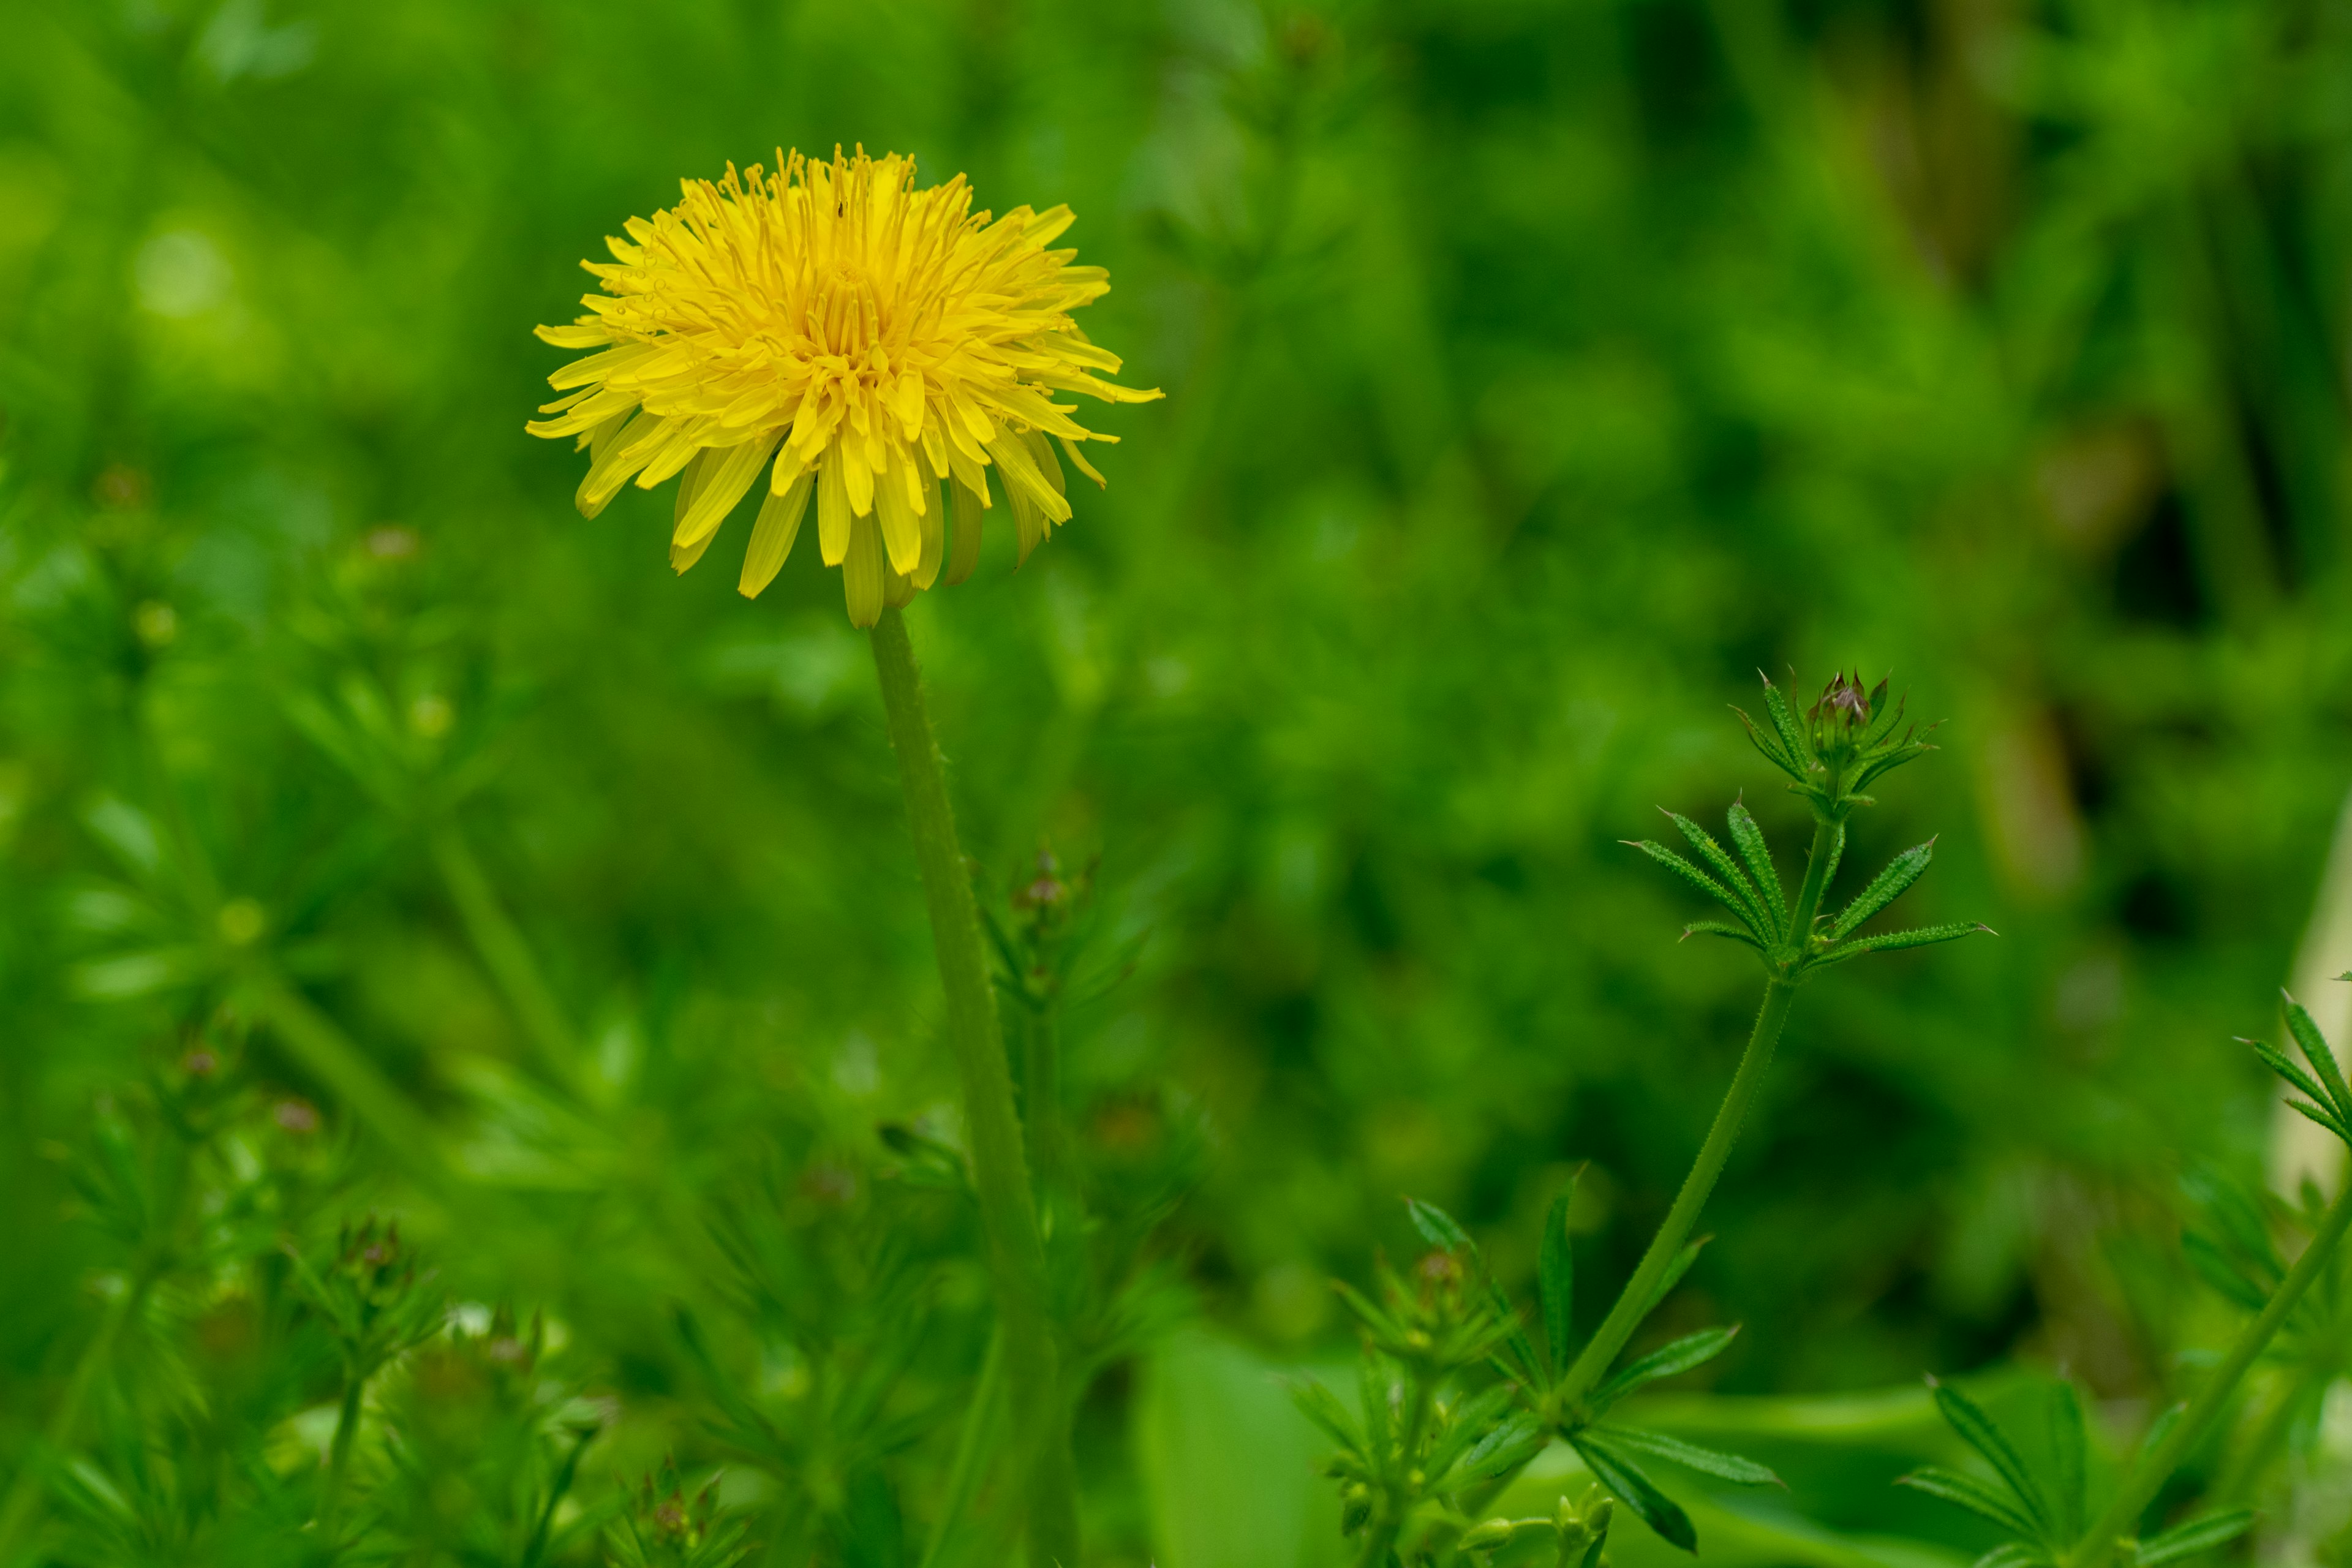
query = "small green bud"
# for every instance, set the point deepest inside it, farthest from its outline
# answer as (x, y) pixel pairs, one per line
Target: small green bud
(1492, 1533)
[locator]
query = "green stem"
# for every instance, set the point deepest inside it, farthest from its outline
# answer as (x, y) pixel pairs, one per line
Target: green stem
(24, 1497)
(329, 1055)
(339, 1458)
(1634, 1303)
(1000, 1172)
(1397, 1492)
(503, 951)
(1041, 1079)
(2147, 1477)
(972, 1449)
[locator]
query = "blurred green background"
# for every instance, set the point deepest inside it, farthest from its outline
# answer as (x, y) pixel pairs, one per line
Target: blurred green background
(1538, 372)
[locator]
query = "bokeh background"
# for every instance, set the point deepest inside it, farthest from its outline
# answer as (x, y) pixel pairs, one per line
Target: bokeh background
(1538, 372)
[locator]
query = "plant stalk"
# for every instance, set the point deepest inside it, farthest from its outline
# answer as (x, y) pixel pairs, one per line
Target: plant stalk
(338, 1459)
(1634, 1301)
(1397, 1500)
(504, 952)
(2146, 1478)
(999, 1171)
(972, 1449)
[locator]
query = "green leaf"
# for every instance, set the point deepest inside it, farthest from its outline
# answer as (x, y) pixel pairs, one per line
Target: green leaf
(1717, 928)
(2159, 1429)
(1556, 1277)
(1895, 940)
(1322, 1407)
(1977, 1429)
(2323, 1061)
(1624, 1479)
(1674, 1272)
(2012, 1554)
(1471, 1420)
(1791, 732)
(1505, 1449)
(1690, 1455)
(1886, 887)
(1439, 1229)
(2216, 1269)
(1885, 712)
(1692, 875)
(2280, 1063)
(1372, 1318)
(1749, 839)
(1971, 1494)
(2070, 1448)
(2197, 1535)
(1670, 1360)
(1751, 910)
(2323, 1117)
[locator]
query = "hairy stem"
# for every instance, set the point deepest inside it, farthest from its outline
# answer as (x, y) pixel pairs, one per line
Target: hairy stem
(999, 1171)
(2146, 1478)
(1634, 1303)
(504, 952)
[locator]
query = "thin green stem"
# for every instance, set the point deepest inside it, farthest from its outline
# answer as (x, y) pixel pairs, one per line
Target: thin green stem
(999, 1171)
(24, 1497)
(328, 1053)
(2147, 1477)
(972, 1450)
(1397, 1492)
(1634, 1303)
(1041, 1103)
(504, 952)
(339, 1456)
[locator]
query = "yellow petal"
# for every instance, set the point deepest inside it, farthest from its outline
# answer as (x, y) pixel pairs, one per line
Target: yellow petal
(727, 472)
(772, 535)
(832, 514)
(967, 508)
(861, 572)
(902, 529)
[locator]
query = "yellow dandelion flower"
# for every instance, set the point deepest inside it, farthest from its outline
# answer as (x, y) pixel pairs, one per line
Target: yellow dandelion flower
(874, 340)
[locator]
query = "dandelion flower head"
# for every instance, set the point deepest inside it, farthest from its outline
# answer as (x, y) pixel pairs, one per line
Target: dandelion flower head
(852, 339)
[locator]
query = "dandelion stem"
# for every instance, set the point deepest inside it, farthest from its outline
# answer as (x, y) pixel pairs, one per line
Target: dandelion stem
(1634, 1303)
(1008, 1206)
(503, 950)
(2146, 1478)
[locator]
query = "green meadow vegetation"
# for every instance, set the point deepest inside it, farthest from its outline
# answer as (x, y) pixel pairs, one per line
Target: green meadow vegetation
(517, 1054)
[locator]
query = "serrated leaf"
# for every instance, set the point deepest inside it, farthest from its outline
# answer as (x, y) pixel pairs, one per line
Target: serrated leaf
(1752, 906)
(1769, 745)
(1886, 887)
(1750, 840)
(1977, 1429)
(2215, 1267)
(1320, 1406)
(1690, 1455)
(1692, 875)
(1372, 1388)
(2323, 1061)
(1885, 712)
(1969, 1493)
(1439, 1228)
(2070, 1450)
(1717, 928)
(1785, 725)
(1556, 1279)
(1470, 1421)
(1361, 1305)
(1635, 1490)
(2283, 1066)
(1669, 1360)
(2012, 1554)
(1674, 1272)
(1505, 1449)
(2197, 1535)
(2323, 1117)
(1897, 941)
